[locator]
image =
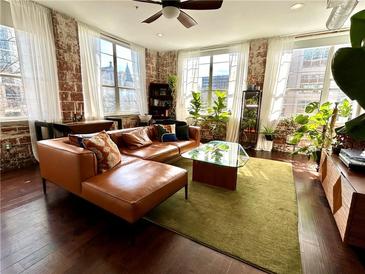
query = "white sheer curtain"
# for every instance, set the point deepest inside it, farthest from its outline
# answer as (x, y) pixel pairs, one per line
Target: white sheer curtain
(237, 82)
(36, 49)
(90, 71)
(139, 73)
(188, 73)
(276, 76)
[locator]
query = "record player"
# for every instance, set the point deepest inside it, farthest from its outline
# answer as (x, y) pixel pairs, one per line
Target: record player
(353, 158)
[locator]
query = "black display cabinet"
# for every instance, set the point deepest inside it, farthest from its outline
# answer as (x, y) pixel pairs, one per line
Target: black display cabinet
(250, 118)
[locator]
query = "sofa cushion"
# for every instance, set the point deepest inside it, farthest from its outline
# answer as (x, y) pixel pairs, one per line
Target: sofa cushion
(182, 132)
(133, 190)
(136, 139)
(168, 137)
(159, 152)
(185, 146)
(106, 151)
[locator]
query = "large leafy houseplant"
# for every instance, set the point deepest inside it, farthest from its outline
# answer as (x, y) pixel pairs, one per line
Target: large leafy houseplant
(316, 127)
(215, 118)
(218, 115)
(348, 66)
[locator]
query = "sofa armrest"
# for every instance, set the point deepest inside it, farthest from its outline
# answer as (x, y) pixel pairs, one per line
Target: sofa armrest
(194, 133)
(65, 164)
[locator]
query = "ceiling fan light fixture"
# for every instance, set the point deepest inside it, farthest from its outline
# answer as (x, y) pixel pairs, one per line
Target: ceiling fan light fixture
(170, 12)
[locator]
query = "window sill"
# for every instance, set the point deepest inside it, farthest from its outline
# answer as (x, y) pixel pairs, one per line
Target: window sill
(13, 119)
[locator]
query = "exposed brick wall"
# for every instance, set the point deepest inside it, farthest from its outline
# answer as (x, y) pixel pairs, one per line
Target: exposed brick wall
(19, 154)
(68, 64)
(159, 65)
(257, 62)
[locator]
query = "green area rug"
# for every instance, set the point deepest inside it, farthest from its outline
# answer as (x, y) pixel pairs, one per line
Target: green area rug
(257, 223)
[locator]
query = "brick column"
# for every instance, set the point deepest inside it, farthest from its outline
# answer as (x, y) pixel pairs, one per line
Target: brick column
(68, 64)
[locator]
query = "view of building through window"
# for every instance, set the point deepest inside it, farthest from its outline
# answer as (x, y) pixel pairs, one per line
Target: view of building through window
(12, 98)
(310, 80)
(117, 78)
(213, 75)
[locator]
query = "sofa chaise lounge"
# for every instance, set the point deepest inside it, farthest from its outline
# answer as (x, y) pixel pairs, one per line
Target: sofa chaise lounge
(140, 182)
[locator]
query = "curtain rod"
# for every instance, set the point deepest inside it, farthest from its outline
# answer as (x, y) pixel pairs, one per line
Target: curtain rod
(319, 33)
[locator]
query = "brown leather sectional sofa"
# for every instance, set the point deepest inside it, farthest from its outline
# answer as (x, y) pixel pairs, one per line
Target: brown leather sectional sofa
(139, 183)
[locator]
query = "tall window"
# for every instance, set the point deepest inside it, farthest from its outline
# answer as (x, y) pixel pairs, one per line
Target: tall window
(213, 74)
(118, 78)
(310, 79)
(12, 98)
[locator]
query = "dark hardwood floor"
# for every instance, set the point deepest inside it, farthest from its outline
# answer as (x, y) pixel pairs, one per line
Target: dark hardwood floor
(63, 233)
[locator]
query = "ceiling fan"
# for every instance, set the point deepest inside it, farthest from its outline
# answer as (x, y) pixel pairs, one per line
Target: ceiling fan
(172, 9)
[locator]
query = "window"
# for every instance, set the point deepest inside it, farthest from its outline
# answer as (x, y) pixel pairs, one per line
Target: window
(213, 74)
(118, 78)
(310, 79)
(12, 97)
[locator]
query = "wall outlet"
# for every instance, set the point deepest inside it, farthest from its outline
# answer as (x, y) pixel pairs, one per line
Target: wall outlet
(7, 146)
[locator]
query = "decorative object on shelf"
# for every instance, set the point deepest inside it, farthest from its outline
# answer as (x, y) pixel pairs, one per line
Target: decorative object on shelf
(250, 118)
(160, 101)
(348, 67)
(144, 118)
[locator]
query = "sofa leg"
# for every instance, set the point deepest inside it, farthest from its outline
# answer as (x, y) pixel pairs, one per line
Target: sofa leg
(44, 186)
(186, 191)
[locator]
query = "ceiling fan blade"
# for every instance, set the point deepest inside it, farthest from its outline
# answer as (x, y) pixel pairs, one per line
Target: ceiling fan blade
(201, 4)
(186, 19)
(153, 17)
(149, 2)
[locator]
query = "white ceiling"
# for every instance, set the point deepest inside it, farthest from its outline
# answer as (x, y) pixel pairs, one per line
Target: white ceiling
(235, 21)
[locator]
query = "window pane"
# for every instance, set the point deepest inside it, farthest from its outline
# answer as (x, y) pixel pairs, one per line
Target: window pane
(308, 67)
(9, 62)
(109, 100)
(305, 79)
(106, 47)
(221, 58)
(295, 101)
(128, 100)
(107, 70)
(220, 76)
(12, 97)
(123, 52)
(125, 77)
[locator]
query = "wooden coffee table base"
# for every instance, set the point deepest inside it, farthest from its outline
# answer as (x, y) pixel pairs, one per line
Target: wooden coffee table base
(215, 175)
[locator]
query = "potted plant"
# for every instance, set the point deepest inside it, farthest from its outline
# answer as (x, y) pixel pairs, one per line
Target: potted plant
(218, 115)
(269, 133)
(316, 127)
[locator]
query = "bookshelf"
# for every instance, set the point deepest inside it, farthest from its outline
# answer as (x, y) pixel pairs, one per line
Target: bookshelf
(160, 101)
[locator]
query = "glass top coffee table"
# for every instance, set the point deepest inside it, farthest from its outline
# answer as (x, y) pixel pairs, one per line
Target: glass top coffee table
(216, 163)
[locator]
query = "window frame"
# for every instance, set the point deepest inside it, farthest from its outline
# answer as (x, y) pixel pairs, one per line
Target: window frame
(118, 110)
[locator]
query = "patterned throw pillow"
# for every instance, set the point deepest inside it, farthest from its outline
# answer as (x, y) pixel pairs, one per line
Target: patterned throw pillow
(136, 139)
(77, 139)
(162, 129)
(106, 151)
